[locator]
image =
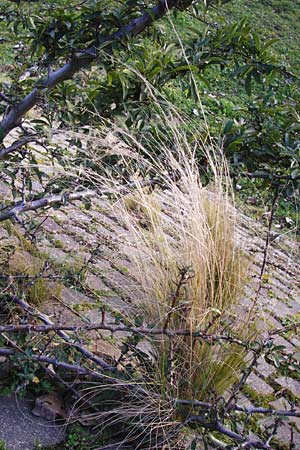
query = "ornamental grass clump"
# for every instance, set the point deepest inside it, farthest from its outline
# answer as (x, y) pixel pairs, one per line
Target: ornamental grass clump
(190, 273)
(186, 273)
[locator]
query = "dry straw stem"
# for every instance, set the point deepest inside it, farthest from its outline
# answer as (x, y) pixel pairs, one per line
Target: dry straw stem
(137, 420)
(180, 240)
(181, 243)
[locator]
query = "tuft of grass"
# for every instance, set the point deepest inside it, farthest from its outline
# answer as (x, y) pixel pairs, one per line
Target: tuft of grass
(181, 243)
(185, 270)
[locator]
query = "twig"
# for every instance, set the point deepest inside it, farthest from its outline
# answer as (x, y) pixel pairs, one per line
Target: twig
(291, 327)
(211, 339)
(265, 250)
(267, 242)
(79, 370)
(17, 145)
(266, 411)
(5, 99)
(274, 431)
(216, 425)
(249, 410)
(213, 425)
(63, 198)
(182, 280)
(43, 202)
(44, 318)
(30, 277)
(245, 376)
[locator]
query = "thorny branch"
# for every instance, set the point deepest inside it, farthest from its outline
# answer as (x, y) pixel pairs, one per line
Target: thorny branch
(193, 403)
(201, 419)
(13, 211)
(22, 207)
(183, 278)
(246, 373)
(209, 338)
(44, 318)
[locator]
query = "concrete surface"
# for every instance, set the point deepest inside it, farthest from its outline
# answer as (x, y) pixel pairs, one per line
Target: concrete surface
(20, 430)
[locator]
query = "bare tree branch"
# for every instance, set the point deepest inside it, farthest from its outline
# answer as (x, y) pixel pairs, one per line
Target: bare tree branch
(5, 99)
(4, 351)
(209, 338)
(79, 370)
(291, 327)
(17, 145)
(216, 425)
(44, 318)
(50, 200)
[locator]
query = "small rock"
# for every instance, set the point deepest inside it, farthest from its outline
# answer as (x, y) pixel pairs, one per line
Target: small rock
(49, 406)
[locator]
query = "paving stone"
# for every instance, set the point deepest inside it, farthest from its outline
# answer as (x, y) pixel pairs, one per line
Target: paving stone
(289, 348)
(278, 307)
(103, 347)
(82, 236)
(55, 254)
(60, 313)
(61, 216)
(102, 263)
(80, 257)
(51, 226)
(264, 369)
(23, 262)
(67, 242)
(95, 316)
(117, 304)
(3, 234)
(273, 324)
(284, 435)
(75, 228)
(295, 341)
(72, 296)
(96, 283)
(79, 217)
(104, 234)
(242, 400)
(259, 385)
(122, 265)
(282, 404)
(290, 384)
(111, 225)
(123, 283)
(146, 347)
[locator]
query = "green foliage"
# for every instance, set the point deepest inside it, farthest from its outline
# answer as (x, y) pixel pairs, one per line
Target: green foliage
(258, 125)
(266, 137)
(78, 439)
(25, 375)
(3, 445)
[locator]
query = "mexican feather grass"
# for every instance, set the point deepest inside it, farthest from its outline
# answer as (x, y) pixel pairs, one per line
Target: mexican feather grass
(180, 241)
